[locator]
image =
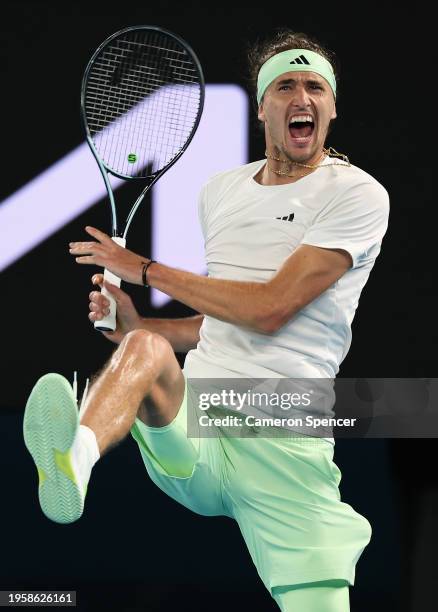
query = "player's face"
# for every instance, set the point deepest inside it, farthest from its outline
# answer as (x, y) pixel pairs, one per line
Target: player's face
(297, 94)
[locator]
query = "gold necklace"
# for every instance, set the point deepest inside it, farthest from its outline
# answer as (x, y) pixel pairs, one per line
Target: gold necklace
(281, 173)
(330, 152)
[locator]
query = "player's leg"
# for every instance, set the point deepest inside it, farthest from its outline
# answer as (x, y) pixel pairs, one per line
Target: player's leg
(326, 596)
(143, 366)
(285, 497)
(144, 380)
(142, 376)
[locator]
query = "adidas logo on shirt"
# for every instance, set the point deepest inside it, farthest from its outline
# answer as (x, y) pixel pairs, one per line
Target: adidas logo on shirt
(300, 60)
(289, 217)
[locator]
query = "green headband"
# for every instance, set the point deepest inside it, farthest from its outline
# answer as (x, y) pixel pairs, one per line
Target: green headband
(294, 60)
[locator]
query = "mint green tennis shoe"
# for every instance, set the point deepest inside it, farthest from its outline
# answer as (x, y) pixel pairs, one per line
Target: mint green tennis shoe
(51, 420)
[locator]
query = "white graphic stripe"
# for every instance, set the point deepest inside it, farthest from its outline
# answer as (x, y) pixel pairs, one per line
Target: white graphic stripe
(48, 202)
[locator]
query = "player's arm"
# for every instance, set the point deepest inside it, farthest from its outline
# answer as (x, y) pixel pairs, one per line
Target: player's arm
(182, 333)
(264, 307)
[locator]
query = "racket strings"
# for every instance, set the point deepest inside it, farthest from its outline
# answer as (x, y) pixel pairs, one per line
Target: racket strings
(142, 100)
(170, 137)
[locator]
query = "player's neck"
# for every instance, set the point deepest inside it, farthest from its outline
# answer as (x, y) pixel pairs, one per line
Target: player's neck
(277, 172)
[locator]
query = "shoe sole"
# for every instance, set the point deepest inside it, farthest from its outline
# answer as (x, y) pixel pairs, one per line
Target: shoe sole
(50, 423)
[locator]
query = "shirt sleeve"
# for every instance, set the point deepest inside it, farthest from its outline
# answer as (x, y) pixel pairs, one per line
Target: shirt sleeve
(355, 222)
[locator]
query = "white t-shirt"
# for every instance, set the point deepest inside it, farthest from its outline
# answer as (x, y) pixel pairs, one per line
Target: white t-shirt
(251, 229)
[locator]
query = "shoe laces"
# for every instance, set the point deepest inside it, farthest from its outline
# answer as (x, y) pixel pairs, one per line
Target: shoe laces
(75, 393)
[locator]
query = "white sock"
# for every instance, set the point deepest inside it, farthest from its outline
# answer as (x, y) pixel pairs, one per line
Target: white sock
(84, 454)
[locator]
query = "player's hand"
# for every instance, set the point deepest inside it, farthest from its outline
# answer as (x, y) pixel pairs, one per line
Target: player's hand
(106, 253)
(127, 316)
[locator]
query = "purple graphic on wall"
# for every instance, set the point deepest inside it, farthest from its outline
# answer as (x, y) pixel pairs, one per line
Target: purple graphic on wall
(221, 143)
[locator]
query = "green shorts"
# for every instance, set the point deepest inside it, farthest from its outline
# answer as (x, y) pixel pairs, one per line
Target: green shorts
(282, 491)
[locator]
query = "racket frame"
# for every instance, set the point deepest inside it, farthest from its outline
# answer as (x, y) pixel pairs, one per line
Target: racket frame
(108, 323)
(104, 169)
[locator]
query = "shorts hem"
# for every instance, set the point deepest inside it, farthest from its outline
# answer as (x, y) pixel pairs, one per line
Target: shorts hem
(332, 574)
(155, 430)
(156, 465)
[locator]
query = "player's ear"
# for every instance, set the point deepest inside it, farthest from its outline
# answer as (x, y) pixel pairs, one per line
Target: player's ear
(334, 115)
(261, 112)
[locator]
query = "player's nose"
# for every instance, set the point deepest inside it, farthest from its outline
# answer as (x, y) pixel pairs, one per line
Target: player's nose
(300, 97)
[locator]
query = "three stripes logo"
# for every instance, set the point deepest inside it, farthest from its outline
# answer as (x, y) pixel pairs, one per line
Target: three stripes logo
(289, 217)
(300, 60)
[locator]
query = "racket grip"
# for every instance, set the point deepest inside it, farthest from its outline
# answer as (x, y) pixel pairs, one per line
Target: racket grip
(108, 323)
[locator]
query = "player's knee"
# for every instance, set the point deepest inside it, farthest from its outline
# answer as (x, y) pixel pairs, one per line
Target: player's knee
(151, 348)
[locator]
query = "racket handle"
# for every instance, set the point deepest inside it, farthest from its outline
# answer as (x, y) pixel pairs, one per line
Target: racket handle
(108, 323)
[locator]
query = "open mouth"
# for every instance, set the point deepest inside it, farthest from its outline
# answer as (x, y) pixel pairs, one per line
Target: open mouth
(301, 130)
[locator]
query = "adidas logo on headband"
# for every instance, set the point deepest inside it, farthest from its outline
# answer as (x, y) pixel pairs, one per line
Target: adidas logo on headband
(300, 60)
(294, 60)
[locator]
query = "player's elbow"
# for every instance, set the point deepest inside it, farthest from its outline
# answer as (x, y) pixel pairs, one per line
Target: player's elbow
(273, 319)
(268, 326)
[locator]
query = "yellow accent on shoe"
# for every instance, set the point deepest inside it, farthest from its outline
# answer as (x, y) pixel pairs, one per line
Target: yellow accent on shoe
(41, 475)
(63, 462)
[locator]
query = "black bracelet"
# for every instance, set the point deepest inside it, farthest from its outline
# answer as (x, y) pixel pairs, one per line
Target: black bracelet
(145, 269)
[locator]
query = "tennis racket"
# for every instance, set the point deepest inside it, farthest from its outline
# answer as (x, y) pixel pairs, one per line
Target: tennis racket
(142, 98)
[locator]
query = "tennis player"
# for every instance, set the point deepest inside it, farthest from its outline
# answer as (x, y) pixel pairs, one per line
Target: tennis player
(290, 242)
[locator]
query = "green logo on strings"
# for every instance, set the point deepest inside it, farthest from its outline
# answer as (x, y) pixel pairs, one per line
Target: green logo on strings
(132, 158)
